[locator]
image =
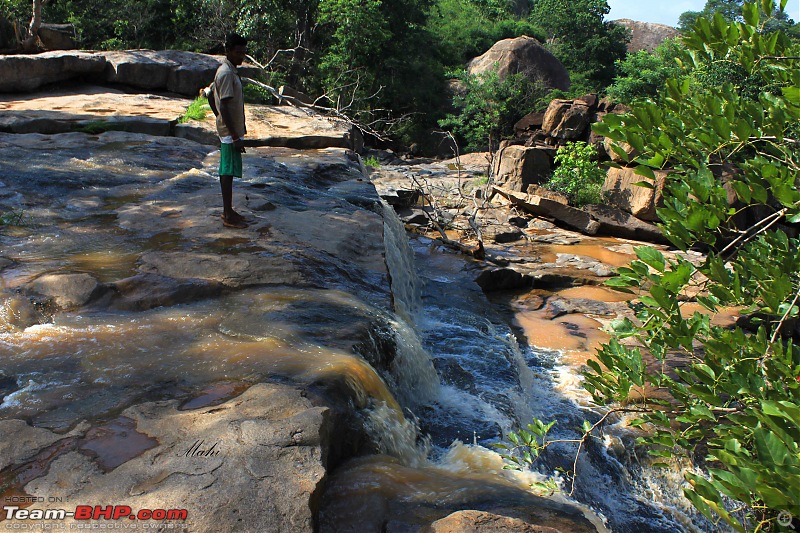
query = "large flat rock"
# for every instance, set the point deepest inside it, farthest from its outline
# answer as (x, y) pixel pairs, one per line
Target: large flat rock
(23, 73)
(220, 464)
(175, 71)
(65, 110)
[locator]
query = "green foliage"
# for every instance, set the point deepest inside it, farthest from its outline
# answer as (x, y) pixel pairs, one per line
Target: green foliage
(197, 110)
(736, 398)
(642, 74)
(463, 29)
(372, 161)
(579, 37)
(255, 94)
(577, 174)
(13, 218)
(732, 11)
(489, 107)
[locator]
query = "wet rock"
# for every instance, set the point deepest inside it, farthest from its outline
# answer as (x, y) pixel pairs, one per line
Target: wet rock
(454, 374)
(502, 279)
(540, 223)
(18, 312)
(584, 263)
(483, 522)
(232, 271)
(557, 307)
(522, 55)
(68, 290)
(417, 497)
(146, 291)
(23, 73)
(210, 461)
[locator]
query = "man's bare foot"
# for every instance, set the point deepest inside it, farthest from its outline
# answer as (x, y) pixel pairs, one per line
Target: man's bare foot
(236, 217)
(233, 223)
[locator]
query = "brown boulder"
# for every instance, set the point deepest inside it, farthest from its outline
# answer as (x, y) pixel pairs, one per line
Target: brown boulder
(528, 124)
(616, 222)
(566, 119)
(647, 35)
(522, 55)
(483, 522)
(621, 190)
(632, 153)
(571, 216)
(516, 167)
(57, 36)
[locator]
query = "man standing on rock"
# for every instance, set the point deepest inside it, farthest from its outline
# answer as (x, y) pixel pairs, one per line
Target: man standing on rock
(228, 106)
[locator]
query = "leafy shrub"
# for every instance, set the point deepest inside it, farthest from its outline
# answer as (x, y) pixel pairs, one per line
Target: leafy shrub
(642, 74)
(197, 110)
(577, 174)
(733, 405)
(372, 161)
(489, 107)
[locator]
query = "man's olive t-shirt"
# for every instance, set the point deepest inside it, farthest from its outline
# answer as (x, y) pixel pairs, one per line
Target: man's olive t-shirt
(227, 84)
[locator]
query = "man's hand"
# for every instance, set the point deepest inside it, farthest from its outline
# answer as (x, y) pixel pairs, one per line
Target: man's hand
(239, 145)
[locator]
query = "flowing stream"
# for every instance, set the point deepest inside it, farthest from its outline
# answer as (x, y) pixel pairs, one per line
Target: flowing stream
(457, 379)
(490, 384)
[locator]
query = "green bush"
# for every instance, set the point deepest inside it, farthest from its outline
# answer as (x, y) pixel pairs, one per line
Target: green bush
(642, 74)
(197, 110)
(489, 107)
(577, 174)
(372, 161)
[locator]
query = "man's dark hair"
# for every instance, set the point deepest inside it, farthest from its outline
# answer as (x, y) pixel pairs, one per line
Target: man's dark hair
(233, 40)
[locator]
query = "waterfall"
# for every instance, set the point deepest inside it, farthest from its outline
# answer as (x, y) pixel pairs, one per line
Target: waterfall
(406, 289)
(416, 379)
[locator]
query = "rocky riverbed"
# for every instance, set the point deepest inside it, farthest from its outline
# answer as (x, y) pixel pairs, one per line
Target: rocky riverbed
(156, 360)
(284, 377)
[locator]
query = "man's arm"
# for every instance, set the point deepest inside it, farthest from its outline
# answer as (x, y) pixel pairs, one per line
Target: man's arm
(208, 92)
(226, 112)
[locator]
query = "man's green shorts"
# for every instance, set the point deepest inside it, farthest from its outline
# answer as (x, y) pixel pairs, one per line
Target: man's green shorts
(230, 161)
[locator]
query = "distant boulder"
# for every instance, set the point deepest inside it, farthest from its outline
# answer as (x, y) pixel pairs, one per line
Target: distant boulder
(57, 36)
(522, 55)
(647, 35)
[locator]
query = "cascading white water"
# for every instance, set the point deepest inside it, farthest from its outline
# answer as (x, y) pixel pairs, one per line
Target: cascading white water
(406, 289)
(416, 378)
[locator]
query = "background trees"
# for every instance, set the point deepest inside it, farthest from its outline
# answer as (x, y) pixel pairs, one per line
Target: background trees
(582, 40)
(380, 57)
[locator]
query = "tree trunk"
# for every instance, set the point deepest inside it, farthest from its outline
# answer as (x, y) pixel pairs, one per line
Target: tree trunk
(29, 44)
